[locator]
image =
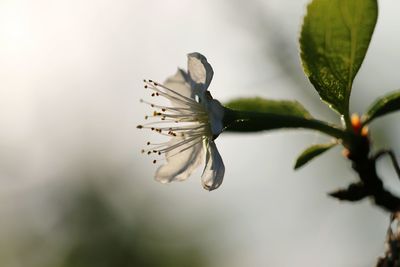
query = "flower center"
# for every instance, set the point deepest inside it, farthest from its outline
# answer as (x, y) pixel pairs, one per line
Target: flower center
(187, 121)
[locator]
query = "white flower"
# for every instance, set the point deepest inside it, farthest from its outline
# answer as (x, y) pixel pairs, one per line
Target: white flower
(193, 121)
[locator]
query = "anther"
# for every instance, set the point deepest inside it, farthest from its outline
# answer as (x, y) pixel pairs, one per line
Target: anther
(139, 126)
(148, 152)
(153, 94)
(148, 143)
(159, 153)
(155, 84)
(152, 128)
(154, 161)
(163, 109)
(150, 81)
(157, 94)
(145, 86)
(142, 151)
(146, 117)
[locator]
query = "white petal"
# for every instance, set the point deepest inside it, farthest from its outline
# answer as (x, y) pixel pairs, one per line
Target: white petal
(178, 167)
(179, 83)
(216, 115)
(214, 170)
(199, 70)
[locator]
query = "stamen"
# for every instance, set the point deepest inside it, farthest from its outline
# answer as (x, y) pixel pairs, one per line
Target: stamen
(177, 97)
(192, 117)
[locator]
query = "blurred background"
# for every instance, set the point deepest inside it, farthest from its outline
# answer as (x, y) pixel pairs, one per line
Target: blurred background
(75, 189)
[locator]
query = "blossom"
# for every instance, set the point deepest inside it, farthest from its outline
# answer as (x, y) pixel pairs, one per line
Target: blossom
(192, 120)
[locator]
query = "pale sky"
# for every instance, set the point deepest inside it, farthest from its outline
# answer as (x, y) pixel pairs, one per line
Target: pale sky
(70, 82)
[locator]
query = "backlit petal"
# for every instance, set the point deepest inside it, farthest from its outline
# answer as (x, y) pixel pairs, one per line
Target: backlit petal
(199, 70)
(179, 82)
(214, 170)
(179, 166)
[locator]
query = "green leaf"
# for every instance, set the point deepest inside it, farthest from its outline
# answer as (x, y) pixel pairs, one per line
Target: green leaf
(258, 104)
(382, 106)
(257, 114)
(312, 152)
(334, 39)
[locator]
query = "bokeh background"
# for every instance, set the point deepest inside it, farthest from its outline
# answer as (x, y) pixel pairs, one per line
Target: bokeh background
(74, 188)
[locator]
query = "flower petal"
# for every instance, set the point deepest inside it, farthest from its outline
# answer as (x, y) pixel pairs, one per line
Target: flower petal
(179, 83)
(216, 115)
(180, 165)
(214, 170)
(199, 70)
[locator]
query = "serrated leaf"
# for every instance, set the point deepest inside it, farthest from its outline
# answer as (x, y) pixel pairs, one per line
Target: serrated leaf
(382, 106)
(312, 152)
(258, 104)
(334, 39)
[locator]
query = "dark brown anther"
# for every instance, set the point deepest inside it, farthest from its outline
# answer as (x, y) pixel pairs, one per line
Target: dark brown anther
(139, 126)
(148, 143)
(154, 161)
